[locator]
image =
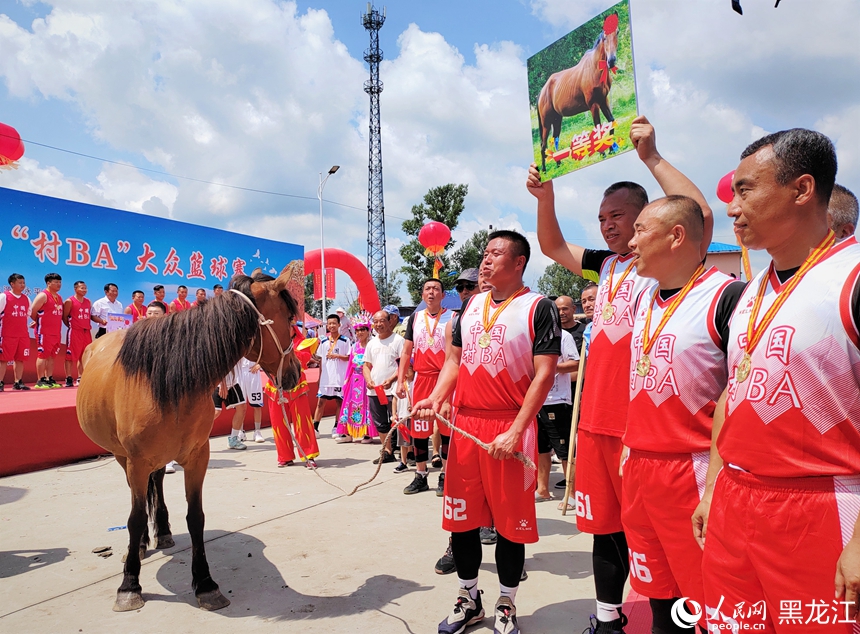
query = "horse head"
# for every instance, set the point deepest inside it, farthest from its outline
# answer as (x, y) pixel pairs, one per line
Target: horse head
(609, 37)
(275, 302)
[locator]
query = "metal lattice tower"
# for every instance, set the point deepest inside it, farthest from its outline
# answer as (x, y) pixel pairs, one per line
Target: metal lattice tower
(376, 262)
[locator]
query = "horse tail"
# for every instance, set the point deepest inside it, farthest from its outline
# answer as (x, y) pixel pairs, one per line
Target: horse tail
(151, 503)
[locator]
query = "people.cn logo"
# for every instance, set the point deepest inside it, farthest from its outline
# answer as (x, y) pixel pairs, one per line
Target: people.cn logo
(684, 617)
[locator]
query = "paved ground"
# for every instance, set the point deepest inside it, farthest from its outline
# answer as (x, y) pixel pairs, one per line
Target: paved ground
(285, 548)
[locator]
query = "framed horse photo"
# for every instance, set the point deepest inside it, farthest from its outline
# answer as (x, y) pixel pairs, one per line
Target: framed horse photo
(582, 94)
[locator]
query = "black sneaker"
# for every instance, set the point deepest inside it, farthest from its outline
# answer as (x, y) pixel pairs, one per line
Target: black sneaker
(70, 382)
(1, 386)
(488, 535)
(467, 611)
(53, 382)
(418, 485)
(387, 457)
(401, 468)
(42, 384)
(440, 488)
(561, 484)
(19, 385)
(600, 627)
(446, 565)
(506, 617)
(436, 461)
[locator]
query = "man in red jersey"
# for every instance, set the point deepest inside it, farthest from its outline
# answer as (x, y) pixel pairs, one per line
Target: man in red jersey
(605, 397)
(425, 349)
(502, 361)
(677, 374)
(14, 336)
(181, 302)
(779, 515)
(47, 313)
(199, 296)
(76, 316)
(137, 309)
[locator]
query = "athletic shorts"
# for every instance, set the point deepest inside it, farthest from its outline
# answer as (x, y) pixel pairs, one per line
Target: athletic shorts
(15, 348)
(772, 546)
(661, 491)
(379, 414)
(554, 423)
(77, 342)
(233, 400)
(484, 491)
(252, 388)
(598, 485)
(421, 389)
(49, 345)
(330, 393)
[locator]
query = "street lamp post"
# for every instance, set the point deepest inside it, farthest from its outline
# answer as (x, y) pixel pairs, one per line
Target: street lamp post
(333, 169)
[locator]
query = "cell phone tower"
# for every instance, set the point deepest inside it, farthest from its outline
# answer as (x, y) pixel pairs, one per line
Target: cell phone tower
(376, 262)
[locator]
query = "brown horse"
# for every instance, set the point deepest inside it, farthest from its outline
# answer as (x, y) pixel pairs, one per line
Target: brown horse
(585, 87)
(146, 396)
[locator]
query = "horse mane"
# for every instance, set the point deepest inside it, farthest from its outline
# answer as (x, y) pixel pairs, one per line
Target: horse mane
(186, 354)
(599, 39)
(242, 283)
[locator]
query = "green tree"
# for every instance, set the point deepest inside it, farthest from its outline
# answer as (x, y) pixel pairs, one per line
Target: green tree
(443, 204)
(470, 253)
(557, 280)
(312, 308)
(389, 294)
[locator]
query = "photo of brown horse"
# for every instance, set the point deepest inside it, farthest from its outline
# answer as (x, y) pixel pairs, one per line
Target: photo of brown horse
(583, 88)
(146, 396)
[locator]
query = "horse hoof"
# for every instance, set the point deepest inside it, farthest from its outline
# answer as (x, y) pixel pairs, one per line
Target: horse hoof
(127, 601)
(212, 600)
(165, 541)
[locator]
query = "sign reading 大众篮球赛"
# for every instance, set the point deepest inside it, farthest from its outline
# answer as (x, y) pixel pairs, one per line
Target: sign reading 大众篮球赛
(98, 245)
(582, 94)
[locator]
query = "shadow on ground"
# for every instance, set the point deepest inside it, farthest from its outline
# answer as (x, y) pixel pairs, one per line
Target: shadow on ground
(561, 526)
(16, 562)
(11, 494)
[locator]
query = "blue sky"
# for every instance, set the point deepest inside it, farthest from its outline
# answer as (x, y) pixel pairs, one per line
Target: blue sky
(266, 94)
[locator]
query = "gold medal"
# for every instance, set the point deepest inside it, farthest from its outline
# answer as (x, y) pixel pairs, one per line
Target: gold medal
(488, 323)
(484, 340)
(743, 369)
(643, 365)
(608, 312)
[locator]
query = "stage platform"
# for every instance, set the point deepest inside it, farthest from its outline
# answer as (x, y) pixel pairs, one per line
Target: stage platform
(48, 420)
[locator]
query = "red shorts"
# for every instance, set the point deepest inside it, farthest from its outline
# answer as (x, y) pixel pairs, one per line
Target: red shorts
(772, 546)
(598, 485)
(49, 345)
(15, 348)
(661, 491)
(421, 389)
(77, 342)
(483, 491)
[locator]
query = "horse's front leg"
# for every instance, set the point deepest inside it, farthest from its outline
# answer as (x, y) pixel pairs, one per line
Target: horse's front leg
(128, 596)
(209, 597)
(604, 108)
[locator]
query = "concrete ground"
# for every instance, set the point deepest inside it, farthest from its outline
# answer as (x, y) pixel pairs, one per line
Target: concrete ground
(286, 549)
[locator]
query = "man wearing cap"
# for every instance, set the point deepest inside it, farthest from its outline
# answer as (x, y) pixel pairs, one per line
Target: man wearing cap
(346, 330)
(394, 318)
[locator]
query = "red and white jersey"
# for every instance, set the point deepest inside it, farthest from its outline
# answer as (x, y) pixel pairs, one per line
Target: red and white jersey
(79, 316)
(14, 316)
(50, 316)
(428, 346)
(606, 392)
(798, 412)
(137, 313)
(498, 376)
(176, 305)
(672, 407)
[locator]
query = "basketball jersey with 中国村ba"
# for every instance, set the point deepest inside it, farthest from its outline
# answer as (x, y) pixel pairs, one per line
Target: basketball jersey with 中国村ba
(606, 392)
(13, 319)
(672, 406)
(795, 410)
(428, 344)
(79, 316)
(50, 315)
(496, 371)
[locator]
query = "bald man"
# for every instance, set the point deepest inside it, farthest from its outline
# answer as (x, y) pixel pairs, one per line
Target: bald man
(842, 212)
(677, 374)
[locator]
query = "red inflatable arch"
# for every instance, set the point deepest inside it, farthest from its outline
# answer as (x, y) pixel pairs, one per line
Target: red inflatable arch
(352, 266)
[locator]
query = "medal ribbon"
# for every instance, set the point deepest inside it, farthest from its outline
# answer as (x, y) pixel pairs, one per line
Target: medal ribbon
(647, 340)
(489, 323)
(614, 291)
(435, 323)
(755, 332)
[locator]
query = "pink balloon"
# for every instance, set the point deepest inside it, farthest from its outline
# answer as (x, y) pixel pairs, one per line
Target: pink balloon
(724, 188)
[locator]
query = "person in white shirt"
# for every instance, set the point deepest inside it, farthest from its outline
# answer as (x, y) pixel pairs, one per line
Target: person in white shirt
(555, 418)
(381, 363)
(333, 357)
(103, 307)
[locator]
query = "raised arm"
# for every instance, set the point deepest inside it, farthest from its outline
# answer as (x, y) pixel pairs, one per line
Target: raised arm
(670, 179)
(552, 242)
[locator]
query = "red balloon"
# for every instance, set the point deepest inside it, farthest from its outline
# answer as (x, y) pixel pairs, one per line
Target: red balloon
(434, 236)
(11, 146)
(724, 188)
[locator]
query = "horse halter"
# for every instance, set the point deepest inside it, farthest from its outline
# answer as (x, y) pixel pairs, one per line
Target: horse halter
(268, 324)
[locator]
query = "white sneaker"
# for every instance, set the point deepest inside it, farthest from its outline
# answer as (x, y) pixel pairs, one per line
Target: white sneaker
(242, 435)
(334, 432)
(555, 459)
(170, 467)
(258, 437)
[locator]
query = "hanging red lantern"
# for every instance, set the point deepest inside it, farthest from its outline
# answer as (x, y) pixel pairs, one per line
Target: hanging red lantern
(11, 146)
(724, 188)
(434, 237)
